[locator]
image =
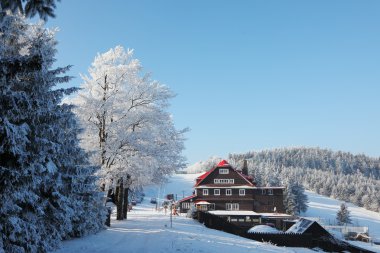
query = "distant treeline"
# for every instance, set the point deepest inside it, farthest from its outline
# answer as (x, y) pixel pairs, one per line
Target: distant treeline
(341, 175)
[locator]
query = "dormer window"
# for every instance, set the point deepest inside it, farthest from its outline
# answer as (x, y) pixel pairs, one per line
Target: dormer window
(224, 171)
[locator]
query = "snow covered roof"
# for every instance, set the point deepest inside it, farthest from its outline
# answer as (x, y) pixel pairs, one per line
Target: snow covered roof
(263, 229)
(223, 212)
(301, 226)
(273, 215)
(202, 202)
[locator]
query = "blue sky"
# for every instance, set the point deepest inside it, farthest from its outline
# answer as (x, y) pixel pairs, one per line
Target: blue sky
(249, 75)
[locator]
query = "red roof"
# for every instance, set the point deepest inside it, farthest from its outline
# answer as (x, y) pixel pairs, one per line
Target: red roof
(223, 163)
(204, 175)
(187, 198)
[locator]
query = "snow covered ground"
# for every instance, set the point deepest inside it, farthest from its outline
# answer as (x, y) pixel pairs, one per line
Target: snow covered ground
(326, 208)
(147, 230)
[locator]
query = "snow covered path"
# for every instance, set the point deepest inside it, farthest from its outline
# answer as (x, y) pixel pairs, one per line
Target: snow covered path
(147, 230)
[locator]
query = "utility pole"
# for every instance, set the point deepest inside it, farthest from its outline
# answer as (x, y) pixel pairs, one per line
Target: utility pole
(171, 214)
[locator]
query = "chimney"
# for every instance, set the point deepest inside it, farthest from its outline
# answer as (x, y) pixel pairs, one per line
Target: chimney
(245, 168)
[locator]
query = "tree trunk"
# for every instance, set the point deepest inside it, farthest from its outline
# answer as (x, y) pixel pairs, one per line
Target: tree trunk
(125, 208)
(120, 198)
(116, 195)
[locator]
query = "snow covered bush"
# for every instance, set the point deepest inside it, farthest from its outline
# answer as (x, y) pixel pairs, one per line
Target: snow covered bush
(39, 151)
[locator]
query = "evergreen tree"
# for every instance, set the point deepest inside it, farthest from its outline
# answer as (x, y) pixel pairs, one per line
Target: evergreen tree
(343, 215)
(39, 152)
(289, 201)
(339, 175)
(44, 8)
(295, 200)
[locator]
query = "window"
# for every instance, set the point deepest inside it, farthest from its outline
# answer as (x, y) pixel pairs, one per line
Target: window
(242, 192)
(216, 191)
(232, 206)
(263, 191)
(228, 192)
(202, 207)
(186, 205)
(224, 171)
(205, 192)
(224, 181)
(270, 191)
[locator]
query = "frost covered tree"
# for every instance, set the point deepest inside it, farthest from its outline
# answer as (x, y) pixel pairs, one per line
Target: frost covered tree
(344, 176)
(39, 152)
(295, 199)
(203, 166)
(44, 8)
(343, 215)
(127, 127)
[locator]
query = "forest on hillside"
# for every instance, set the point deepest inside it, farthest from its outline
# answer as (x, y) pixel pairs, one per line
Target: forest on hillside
(340, 175)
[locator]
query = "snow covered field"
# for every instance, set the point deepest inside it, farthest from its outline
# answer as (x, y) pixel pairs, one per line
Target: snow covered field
(147, 230)
(326, 208)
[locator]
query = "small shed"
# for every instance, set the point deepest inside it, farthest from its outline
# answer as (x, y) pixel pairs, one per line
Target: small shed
(305, 226)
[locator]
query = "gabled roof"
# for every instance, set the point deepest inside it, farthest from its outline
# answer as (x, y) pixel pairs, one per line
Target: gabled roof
(187, 198)
(310, 226)
(222, 164)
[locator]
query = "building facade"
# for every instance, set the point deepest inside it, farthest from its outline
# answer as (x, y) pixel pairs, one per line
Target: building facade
(225, 188)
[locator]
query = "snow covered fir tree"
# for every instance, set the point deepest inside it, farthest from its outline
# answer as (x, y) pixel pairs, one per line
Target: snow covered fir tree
(295, 199)
(47, 187)
(343, 215)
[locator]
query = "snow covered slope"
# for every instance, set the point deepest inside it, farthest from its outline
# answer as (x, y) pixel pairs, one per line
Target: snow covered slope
(326, 209)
